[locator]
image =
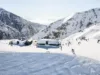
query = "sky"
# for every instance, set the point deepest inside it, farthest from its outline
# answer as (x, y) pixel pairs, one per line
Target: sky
(47, 11)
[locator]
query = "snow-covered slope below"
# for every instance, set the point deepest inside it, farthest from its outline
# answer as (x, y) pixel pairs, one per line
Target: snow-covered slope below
(46, 64)
(88, 48)
(71, 25)
(30, 60)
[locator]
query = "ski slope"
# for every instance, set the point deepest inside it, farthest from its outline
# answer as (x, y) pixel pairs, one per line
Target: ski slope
(89, 48)
(46, 64)
(30, 60)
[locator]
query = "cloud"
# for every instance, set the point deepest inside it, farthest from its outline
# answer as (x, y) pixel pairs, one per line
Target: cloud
(43, 21)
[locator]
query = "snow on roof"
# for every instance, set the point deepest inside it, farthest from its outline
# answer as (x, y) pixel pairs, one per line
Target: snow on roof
(50, 41)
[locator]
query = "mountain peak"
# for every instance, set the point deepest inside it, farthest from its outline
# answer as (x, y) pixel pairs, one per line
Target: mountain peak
(14, 23)
(72, 24)
(1, 9)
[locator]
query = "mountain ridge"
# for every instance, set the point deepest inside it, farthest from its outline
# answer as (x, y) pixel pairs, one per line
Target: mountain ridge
(24, 27)
(76, 23)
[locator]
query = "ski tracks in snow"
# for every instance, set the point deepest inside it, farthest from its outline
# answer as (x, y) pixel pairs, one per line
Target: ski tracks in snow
(46, 64)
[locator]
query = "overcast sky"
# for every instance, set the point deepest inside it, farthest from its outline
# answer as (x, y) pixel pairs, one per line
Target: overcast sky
(46, 11)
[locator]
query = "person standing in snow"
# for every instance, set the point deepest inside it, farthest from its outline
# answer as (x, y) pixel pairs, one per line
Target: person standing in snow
(79, 43)
(98, 41)
(61, 47)
(73, 51)
(69, 43)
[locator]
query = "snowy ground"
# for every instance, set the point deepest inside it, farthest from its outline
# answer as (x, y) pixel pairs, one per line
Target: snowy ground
(46, 64)
(30, 60)
(89, 48)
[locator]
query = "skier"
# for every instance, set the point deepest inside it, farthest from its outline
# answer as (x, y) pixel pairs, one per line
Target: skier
(73, 51)
(79, 43)
(69, 43)
(61, 47)
(98, 41)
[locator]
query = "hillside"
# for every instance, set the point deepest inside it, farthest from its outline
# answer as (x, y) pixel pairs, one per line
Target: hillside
(18, 26)
(92, 32)
(47, 32)
(38, 61)
(67, 26)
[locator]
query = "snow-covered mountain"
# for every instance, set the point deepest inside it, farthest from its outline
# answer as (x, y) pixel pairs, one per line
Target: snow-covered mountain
(92, 32)
(67, 26)
(49, 31)
(16, 26)
(7, 32)
(80, 57)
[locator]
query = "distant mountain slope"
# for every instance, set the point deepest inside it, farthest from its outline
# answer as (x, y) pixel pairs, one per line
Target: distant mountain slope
(76, 23)
(7, 32)
(91, 32)
(49, 31)
(25, 28)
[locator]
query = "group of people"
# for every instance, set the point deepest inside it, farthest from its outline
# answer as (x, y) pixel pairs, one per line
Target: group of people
(69, 43)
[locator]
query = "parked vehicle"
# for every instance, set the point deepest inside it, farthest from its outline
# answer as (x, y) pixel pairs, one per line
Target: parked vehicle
(48, 43)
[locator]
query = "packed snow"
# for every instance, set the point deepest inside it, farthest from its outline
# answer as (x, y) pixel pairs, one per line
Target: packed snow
(46, 64)
(31, 60)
